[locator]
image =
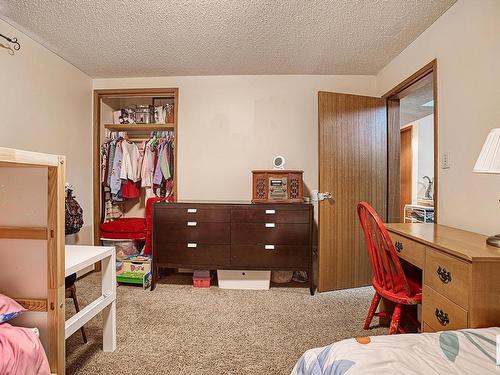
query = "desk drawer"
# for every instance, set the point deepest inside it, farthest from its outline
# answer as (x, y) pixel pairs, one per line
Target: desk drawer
(268, 255)
(192, 231)
(194, 254)
(409, 250)
(269, 233)
(270, 214)
(441, 314)
(448, 276)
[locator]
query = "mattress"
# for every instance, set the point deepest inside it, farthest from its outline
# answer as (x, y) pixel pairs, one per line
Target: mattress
(468, 351)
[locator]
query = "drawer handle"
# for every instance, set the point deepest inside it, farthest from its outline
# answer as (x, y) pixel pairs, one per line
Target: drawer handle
(399, 246)
(192, 210)
(270, 212)
(269, 247)
(192, 245)
(444, 276)
(270, 225)
(192, 223)
(442, 317)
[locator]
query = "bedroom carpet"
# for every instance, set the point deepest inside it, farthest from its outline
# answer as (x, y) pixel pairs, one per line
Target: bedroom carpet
(181, 330)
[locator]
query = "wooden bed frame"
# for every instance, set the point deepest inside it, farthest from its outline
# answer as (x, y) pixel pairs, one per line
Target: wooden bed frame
(31, 221)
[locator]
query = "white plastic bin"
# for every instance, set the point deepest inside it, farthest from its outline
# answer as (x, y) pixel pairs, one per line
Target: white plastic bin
(237, 279)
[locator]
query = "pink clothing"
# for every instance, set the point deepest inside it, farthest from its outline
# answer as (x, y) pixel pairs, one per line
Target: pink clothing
(21, 352)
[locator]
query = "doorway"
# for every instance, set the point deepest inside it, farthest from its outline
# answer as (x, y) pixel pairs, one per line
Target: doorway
(412, 138)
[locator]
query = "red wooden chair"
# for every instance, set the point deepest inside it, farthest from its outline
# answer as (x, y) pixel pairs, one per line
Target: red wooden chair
(389, 279)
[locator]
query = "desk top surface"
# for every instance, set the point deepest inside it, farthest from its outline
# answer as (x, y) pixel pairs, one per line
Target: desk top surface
(469, 246)
(78, 257)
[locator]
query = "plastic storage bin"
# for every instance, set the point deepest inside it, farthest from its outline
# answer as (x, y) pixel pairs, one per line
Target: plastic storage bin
(232, 279)
(201, 279)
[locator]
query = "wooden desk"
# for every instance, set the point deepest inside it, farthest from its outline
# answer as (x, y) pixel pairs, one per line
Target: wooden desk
(461, 275)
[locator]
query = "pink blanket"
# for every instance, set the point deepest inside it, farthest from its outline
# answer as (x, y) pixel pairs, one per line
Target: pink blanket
(21, 352)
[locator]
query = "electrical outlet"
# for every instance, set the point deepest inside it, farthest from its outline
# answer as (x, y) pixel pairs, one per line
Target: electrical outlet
(445, 160)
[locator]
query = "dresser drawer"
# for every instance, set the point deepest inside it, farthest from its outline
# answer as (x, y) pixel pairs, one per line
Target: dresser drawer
(269, 233)
(448, 276)
(193, 231)
(273, 214)
(194, 213)
(194, 254)
(273, 256)
(409, 250)
(441, 314)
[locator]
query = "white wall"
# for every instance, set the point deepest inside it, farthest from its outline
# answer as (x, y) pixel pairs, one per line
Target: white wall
(229, 125)
(466, 43)
(46, 107)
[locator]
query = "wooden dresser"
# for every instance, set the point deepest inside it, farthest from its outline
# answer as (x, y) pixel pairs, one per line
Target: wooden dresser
(231, 236)
(461, 275)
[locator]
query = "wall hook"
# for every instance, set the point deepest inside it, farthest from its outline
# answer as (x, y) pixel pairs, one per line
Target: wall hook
(14, 41)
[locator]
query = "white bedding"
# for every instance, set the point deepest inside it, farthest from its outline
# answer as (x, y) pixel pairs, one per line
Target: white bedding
(468, 351)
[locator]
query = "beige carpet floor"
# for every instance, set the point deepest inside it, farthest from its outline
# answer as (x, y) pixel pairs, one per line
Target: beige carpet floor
(181, 330)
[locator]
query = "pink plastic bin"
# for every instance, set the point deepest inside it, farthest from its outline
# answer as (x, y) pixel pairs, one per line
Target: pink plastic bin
(201, 279)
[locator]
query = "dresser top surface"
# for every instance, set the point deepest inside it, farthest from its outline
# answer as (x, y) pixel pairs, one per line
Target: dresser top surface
(249, 203)
(460, 243)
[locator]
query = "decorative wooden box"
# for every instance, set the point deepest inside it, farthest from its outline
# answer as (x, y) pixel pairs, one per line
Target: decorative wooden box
(277, 186)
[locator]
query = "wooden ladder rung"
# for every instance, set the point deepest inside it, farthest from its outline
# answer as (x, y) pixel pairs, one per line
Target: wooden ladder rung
(31, 304)
(24, 233)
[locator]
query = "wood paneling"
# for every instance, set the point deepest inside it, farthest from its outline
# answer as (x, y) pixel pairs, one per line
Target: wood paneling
(393, 169)
(25, 233)
(352, 167)
(406, 160)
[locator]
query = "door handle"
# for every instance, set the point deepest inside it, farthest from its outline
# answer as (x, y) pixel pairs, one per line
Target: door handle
(399, 246)
(324, 196)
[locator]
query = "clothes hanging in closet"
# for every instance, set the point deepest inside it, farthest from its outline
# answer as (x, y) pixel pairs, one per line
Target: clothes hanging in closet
(127, 166)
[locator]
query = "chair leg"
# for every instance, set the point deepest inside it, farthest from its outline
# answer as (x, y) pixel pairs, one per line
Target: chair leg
(77, 308)
(371, 312)
(396, 317)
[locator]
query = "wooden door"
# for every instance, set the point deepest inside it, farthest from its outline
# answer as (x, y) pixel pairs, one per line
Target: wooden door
(406, 161)
(352, 167)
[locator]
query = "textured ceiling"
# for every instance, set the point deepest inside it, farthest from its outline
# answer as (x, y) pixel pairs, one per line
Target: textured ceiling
(208, 37)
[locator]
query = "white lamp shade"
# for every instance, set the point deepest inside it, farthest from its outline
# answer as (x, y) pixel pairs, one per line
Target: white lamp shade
(489, 158)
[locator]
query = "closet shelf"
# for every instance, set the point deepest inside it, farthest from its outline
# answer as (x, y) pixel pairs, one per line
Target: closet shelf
(143, 127)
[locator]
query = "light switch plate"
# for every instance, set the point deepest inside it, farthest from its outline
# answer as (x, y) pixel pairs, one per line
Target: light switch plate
(445, 160)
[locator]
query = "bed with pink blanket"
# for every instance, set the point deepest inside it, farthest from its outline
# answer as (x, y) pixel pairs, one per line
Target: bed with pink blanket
(21, 352)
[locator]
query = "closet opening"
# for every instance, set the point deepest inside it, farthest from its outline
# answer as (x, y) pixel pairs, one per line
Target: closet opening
(412, 156)
(135, 120)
